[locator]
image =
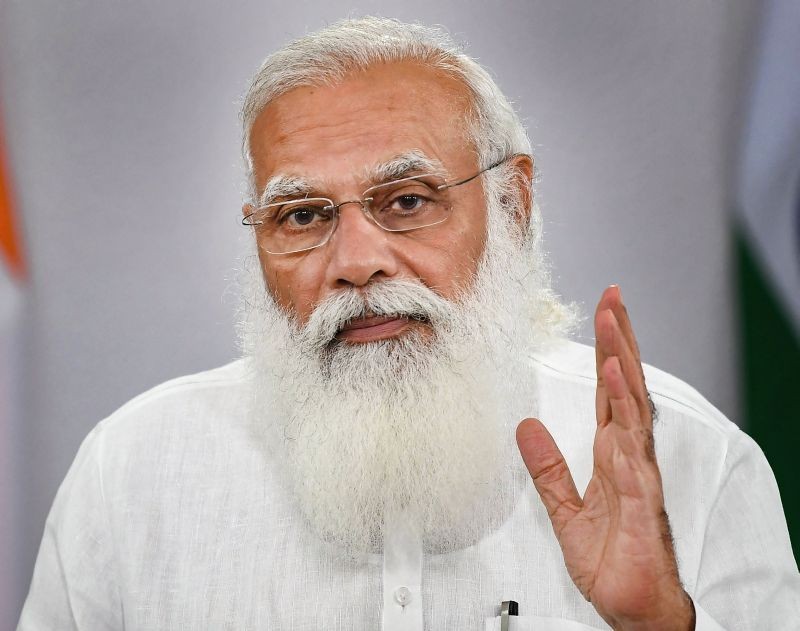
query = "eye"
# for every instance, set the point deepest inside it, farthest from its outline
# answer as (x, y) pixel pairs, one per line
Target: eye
(302, 216)
(408, 202)
(403, 201)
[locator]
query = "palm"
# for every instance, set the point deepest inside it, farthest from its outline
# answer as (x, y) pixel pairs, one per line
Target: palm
(615, 539)
(614, 554)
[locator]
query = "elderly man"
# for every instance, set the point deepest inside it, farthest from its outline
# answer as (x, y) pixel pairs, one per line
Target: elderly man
(357, 469)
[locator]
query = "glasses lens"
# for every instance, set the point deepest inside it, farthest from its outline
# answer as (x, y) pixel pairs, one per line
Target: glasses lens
(409, 203)
(294, 225)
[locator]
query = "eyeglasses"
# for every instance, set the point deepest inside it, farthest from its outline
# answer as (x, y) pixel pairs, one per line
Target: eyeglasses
(410, 203)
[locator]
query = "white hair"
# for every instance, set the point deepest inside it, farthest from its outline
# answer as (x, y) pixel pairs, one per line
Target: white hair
(329, 55)
(357, 429)
(360, 428)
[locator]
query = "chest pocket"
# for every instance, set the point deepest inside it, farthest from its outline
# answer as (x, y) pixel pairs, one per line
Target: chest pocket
(539, 623)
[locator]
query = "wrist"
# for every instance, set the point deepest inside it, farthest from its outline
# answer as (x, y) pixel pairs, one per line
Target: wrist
(677, 616)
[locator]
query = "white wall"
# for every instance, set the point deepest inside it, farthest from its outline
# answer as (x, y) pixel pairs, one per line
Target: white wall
(121, 121)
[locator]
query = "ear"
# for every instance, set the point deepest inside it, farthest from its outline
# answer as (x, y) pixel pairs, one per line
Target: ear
(522, 165)
(247, 209)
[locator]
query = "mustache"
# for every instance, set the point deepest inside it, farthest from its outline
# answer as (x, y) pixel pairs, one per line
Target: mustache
(398, 298)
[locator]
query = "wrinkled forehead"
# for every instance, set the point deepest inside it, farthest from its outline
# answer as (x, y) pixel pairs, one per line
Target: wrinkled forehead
(461, 93)
(375, 124)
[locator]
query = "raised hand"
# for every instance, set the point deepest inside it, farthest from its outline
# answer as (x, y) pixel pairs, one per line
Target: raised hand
(616, 539)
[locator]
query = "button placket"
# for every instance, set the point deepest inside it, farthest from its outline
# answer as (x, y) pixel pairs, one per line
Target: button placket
(402, 576)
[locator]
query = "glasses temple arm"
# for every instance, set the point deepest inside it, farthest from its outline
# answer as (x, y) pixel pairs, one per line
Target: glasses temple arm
(441, 187)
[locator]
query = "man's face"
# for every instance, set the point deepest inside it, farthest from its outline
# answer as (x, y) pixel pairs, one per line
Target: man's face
(333, 136)
(362, 425)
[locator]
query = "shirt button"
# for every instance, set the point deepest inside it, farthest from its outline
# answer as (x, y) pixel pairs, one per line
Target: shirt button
(402, 596)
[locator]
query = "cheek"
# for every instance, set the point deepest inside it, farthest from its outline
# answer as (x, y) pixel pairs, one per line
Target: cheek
(466, 261)
(450, 264)
(467, 248)
(293, 287)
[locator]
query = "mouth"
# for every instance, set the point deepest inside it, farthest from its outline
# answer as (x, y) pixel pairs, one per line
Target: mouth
(373, 328)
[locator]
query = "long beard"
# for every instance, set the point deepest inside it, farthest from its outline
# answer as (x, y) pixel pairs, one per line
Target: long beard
(422, 424)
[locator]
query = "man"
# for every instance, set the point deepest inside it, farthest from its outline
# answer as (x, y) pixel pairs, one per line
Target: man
(357, 469)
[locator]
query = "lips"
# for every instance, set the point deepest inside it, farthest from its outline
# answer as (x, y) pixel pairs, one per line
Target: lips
(373, 328)
(363, 323)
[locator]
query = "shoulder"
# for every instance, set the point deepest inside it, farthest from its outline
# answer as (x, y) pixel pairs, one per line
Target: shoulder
(224, 381)
(209, 383)
(201, 404)
(574, 363)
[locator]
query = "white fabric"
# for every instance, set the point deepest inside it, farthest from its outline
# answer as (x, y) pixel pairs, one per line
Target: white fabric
(172, 517)
(402, 577)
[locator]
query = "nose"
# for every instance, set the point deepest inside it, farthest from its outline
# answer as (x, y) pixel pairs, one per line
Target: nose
(360, 250)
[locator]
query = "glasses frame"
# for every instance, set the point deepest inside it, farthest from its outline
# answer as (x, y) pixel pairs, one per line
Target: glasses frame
(364, 203)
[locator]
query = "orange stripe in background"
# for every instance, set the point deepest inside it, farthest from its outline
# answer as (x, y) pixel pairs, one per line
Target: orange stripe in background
(10, 242)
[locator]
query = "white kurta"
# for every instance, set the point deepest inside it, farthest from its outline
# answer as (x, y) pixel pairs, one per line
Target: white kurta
(172, 517)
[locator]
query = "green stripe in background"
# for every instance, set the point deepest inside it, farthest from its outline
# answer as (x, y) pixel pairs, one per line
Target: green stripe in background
(770, 379)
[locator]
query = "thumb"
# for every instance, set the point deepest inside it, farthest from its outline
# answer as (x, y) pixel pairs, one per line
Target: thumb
(549, 471)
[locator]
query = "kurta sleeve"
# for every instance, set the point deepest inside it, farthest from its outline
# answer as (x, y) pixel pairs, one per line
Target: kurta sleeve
(747, 577)
(75, 584)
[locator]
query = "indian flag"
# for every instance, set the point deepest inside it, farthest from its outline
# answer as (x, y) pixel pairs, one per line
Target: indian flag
(12, 280)
(768, 252)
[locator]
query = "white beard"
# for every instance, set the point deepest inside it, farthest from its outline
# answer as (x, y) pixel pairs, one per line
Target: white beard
(422, 424)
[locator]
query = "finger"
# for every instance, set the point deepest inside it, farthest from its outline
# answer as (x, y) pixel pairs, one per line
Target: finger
(602, 407)
(640, 441)
(549, 471)
(612, 299)
(623, 319)
(612, 343)
(605, 303)
(624, 410)
(609, 301)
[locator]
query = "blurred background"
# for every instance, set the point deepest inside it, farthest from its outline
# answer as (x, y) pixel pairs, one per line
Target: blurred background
(667, 136)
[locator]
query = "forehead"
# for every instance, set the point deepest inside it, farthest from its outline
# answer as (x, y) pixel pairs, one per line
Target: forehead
(340, 131)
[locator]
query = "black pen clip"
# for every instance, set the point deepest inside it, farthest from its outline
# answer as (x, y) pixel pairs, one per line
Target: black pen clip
(507, 608)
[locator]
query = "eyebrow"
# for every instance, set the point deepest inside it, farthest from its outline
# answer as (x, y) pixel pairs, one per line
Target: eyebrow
(412, 162)
(284, 186)
(406, 164)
